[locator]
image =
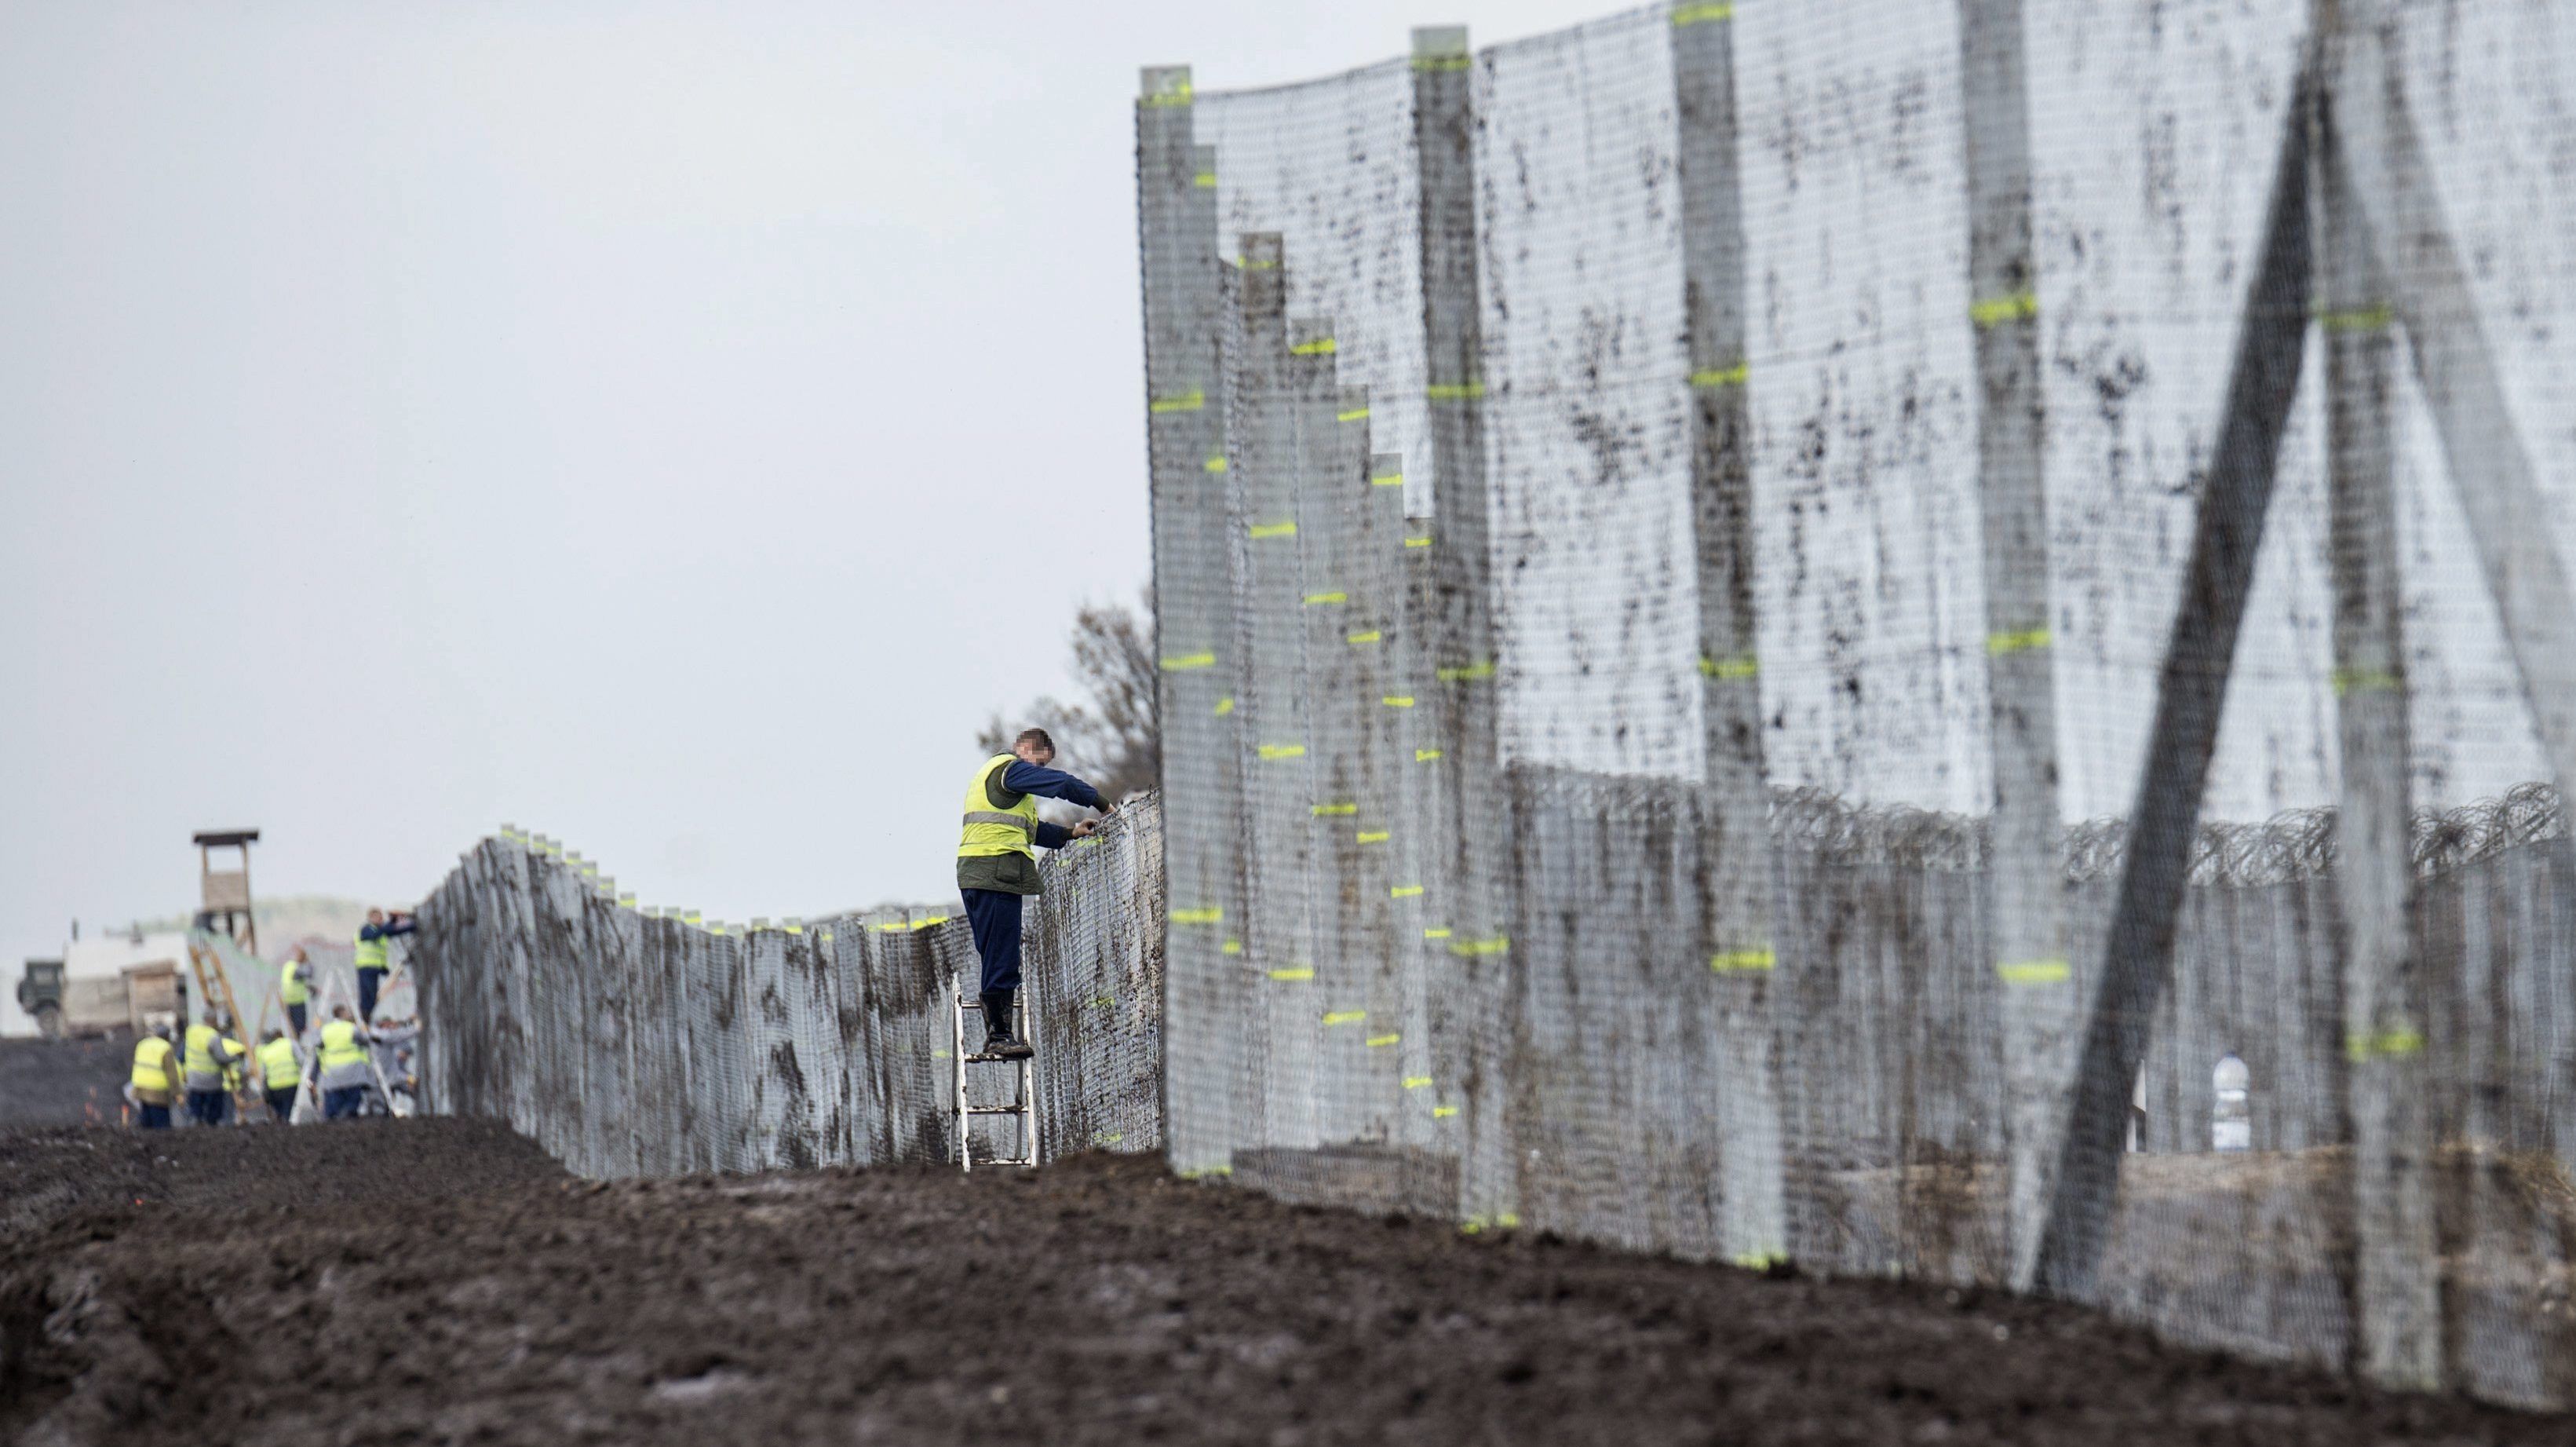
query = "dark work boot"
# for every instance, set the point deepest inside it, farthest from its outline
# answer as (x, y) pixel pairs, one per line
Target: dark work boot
(998, 1039)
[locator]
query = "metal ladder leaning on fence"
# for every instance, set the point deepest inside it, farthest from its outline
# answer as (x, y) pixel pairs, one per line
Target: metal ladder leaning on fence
(1024, 1102)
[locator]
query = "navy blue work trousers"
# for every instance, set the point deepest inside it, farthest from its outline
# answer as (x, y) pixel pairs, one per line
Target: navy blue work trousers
(155, 1117)
(337, 1103)
(369, 981)
(281, 1101)
(295, 1017)
(208, 1107)
(994, 916)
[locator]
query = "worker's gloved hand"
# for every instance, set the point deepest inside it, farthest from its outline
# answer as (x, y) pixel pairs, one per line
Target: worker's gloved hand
(1108, 807)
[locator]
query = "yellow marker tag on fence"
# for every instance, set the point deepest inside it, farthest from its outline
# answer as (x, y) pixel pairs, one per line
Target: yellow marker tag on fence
(1999, 644)
(1283, 751)
(1356, 414)
(1720, 376)
(1455, 391)
(1403, 891)
(1344, 1017)
(1274, 530)
(1232, 947)
(1224, 706)
(1184, 662)
(1995, 311)
(1294, 972)
(1734, 960)
(1443, 1112)
(1416, 1082)
(1370, 635)
(1216, 463)
(1467, 673)
(1204, 179)
(1314, 600)
(2035, 972)
(1380, 1042)
(1371, 836)
(1424, 756)
(1495, 946)
(2349, 681)
(1321, 810)
(1743, 665)
(1388, 479)
(1195, 916)
(1186, 402)
(1420, 542)
(1320, 347)
(1397, 700)
(1435, 933)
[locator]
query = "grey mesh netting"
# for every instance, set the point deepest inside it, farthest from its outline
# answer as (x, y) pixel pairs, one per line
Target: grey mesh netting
(1874, 633)
(652, 1041)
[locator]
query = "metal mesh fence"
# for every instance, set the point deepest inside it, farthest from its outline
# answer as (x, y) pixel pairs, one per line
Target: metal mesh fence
(1736, 580)
(653, 1041)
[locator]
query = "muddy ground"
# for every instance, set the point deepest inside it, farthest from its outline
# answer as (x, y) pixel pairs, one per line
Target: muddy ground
(64, 1082)
(442, 1281)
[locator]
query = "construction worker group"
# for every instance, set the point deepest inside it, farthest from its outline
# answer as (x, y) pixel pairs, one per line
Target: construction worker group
(209, 1065)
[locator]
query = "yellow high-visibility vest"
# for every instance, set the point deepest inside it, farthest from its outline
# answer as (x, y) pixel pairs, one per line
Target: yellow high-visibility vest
(152, 1063)
(371, 952)
(277, 1061)
(201, 1050)
(291, 986)
(340, 1046)
(989, 831)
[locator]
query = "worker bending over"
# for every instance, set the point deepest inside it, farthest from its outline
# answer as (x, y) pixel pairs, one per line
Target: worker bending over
(342, 1059)
(295, 988)
(997, 863)
(155, 1082)
(281, 1074)
(372, 961)
(211, 1054)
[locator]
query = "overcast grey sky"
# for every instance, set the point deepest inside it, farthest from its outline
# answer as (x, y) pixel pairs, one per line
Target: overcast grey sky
(672, 427)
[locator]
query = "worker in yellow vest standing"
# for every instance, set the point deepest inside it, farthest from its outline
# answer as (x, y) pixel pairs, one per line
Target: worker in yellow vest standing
(295, 988)
(280, 1073)
(342, 1061)
(372, 959)
(997, 864)
(209, 1055)
(155, 1082)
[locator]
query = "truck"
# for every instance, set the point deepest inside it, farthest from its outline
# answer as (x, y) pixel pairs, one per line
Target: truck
(134, 999)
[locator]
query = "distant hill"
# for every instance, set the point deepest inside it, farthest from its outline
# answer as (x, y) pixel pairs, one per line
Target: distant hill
(287, 920)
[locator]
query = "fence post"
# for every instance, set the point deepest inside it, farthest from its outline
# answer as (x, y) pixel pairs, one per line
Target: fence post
(2398, 1296)
(1735, 846)
(1193, 608)
(1275, 726)
(2029, 875)
(1478, 826)
(2383, 159)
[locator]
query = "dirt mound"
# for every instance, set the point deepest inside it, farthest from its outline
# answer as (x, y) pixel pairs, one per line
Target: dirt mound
(64, 1082)
(433, 1297)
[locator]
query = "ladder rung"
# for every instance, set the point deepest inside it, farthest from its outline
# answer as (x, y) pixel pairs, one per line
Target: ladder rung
(997, 1110)
(977, 1007)
(995, 1059)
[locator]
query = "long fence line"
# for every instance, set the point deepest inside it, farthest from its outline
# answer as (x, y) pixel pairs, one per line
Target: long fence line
(650, 1041)
(1960, 420)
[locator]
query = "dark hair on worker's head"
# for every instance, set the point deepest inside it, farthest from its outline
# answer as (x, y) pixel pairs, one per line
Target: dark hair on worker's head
(1037, 737)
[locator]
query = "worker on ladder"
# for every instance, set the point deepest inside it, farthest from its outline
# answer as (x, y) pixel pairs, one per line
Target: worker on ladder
(281, 1074)
(371, 959)
(210, 1055)
(155, 1081)
(997, 864)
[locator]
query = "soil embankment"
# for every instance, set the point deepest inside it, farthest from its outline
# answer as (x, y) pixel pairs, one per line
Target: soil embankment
(441, 1281)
